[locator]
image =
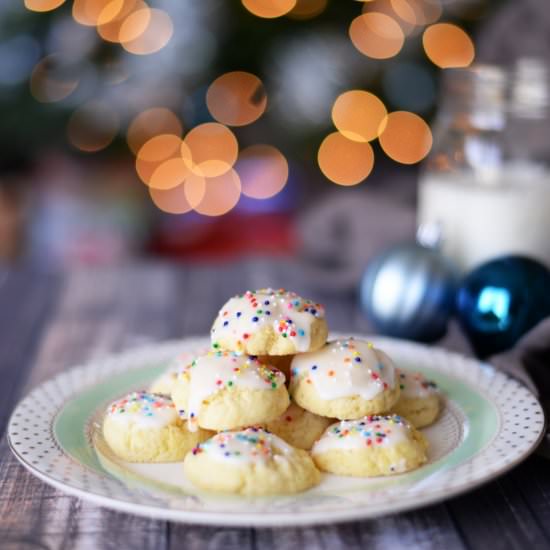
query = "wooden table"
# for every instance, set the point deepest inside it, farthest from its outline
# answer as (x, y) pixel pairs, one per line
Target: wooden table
(48, 323)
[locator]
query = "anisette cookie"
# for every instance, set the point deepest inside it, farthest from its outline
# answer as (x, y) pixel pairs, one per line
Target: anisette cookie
(270, 322)
(224, 390)
(164, 384)
(346, 379)
(145, 427)
(298, 427)
(419, 401)
(369, 447)
(250, 462)
(281, 362)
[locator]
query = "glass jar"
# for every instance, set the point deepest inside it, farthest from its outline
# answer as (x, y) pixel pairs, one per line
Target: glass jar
(486, 182)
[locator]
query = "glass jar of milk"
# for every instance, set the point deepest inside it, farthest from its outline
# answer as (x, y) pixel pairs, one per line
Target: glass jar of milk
(486, 183)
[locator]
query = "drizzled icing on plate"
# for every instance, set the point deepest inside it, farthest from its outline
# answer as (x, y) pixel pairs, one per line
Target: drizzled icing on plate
(415, 385)
(218, 370)
(344, 368)
(370, 431)
(290, 315)
(251, 445)
(149, 410)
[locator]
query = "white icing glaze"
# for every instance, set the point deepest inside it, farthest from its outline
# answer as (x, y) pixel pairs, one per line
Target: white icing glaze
(290, 315)
(147, 410)
(248, 446)
(414, 385)
(218, 370)
(177, 365)
(370, 431)
(344, 368)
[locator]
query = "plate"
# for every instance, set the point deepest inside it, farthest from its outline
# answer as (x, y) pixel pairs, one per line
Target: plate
(490, 423)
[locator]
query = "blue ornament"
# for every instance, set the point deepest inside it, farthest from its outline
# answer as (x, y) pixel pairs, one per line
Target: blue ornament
(501, 300)
(408, 292)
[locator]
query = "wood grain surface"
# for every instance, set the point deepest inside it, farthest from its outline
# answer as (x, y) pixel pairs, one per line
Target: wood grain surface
(51, 322)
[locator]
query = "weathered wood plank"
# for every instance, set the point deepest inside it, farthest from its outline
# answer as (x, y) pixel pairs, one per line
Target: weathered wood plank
(108, 310)
(498, 514)
(98, 312)
(26, 302)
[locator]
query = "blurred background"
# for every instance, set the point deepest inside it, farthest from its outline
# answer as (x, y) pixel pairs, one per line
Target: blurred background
(208, 130)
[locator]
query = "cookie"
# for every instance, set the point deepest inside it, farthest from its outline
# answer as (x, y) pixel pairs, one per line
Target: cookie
(270, 322)
(250, 462)
(224, 390)
(165, 382)
(281, 362)
(346, 379)
(298, 427)
(145, 427)
(369, 447)
(419, 401)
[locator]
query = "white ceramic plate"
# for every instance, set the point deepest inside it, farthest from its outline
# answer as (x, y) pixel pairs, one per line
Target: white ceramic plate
(490, 423)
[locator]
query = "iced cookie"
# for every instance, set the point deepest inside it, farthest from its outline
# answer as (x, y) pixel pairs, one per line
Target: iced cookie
(346, 379)
(223, 390)
(281, 362)
(299, 427)
(369, 447)
(145, 427)
(250, 462)
(164, 384)
(419, 401)
(270, 322)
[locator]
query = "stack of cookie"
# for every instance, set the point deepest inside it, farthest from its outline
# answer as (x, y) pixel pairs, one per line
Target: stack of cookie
(272, 403)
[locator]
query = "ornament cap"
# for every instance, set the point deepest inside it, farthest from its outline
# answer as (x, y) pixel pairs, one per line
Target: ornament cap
(429, 235)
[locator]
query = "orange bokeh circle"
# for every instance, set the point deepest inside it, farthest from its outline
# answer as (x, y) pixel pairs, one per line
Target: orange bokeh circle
(376, 35)
(406, 137)
(358, 115)
(344, 161)
(236, 98)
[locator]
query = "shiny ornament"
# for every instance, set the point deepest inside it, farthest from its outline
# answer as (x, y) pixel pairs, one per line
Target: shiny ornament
(408, 292)
(501, 300)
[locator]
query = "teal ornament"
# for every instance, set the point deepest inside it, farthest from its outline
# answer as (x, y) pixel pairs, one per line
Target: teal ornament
(501, 300)
(409, 292)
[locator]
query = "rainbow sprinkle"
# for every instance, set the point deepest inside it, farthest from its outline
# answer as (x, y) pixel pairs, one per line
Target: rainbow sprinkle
(373, 429)
(140, 402)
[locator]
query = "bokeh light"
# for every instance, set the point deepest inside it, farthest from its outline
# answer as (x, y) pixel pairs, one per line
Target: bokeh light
(236, 98)
(358, 115)
(154, 152)
(214, 149)
(406, 138)
(43, 5)
(417, 12)
(92, 127)
(448, 46)
(376, 35)
(52, 79)
(384, 6)
(213, 196)
(263, 170)
(344, 161)
(146, 31)
(149, 123)
(171, 201)
(269, 9)
(88, 12)
(170, 174)
(307, 9)
(114, 15)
